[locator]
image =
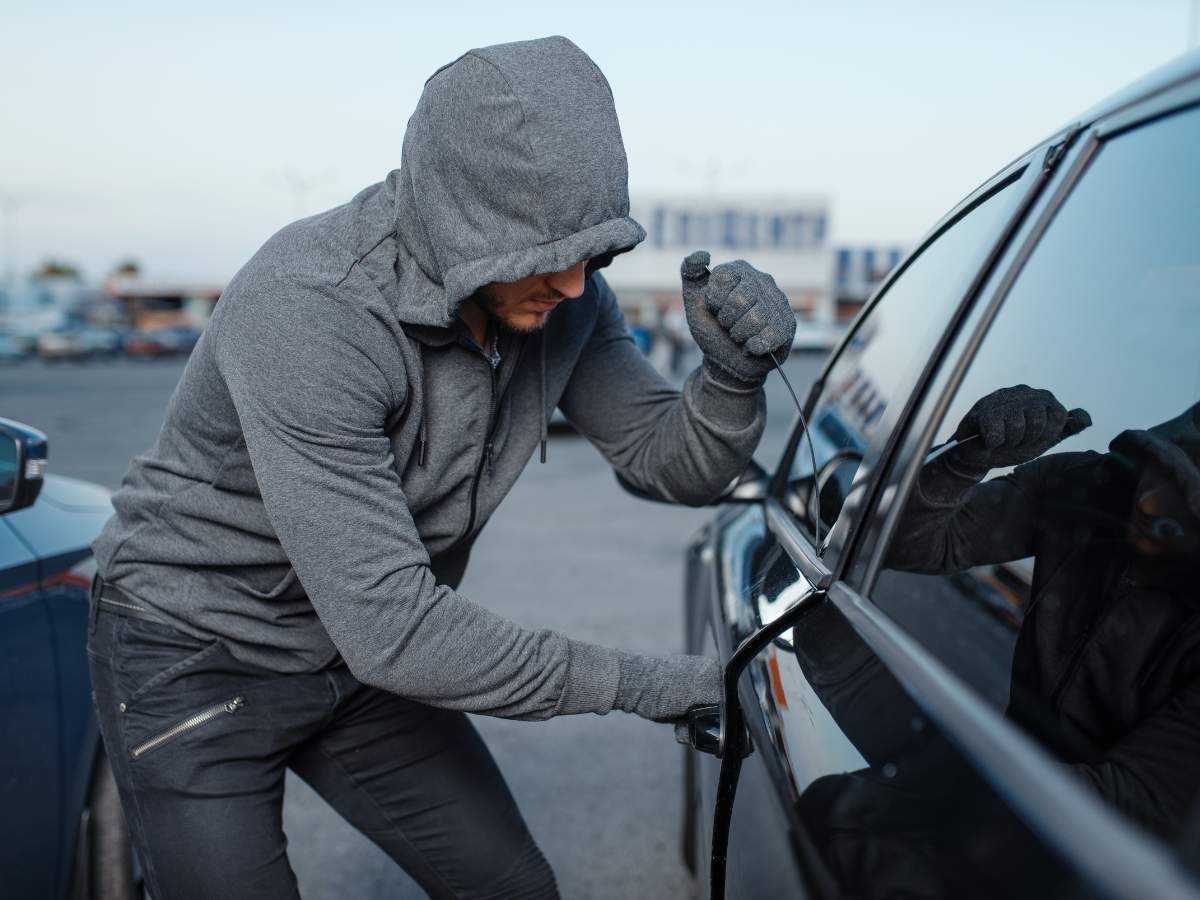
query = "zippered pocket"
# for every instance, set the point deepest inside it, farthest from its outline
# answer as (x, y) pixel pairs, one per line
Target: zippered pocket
(191, 723)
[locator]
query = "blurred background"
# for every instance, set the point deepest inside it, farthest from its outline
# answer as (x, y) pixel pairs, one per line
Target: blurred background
(150, 148)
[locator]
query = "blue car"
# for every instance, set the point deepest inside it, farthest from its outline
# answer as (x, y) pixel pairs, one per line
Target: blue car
(62, 833)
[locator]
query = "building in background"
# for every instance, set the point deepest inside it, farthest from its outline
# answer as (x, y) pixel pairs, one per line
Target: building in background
(786, 236)
(857, 272)
(154, 305)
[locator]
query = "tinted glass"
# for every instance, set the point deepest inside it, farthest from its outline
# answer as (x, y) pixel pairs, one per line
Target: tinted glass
(1053, 557)
(874, 368)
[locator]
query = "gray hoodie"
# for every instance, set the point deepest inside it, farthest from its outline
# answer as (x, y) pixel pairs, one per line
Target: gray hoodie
(338, 439)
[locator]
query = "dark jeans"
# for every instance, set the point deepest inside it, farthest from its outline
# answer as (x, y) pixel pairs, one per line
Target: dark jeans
(199, 743)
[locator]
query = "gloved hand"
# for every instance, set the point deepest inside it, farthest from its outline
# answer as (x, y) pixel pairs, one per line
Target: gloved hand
(738, 316)
(1012, 426)
(663, 688)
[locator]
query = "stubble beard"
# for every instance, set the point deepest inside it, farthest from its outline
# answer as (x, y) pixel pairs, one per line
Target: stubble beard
(503, 319)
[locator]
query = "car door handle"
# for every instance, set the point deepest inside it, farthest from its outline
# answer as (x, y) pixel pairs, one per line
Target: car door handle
(703, 728)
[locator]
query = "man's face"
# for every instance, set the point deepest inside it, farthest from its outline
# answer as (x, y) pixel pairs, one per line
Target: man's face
(1162, 524)
(524, 305)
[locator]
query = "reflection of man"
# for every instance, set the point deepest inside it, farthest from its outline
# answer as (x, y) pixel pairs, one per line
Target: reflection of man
(1106, 669)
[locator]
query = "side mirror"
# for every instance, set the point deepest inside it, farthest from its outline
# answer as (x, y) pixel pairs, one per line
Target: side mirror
(22, 465)
(749, 487)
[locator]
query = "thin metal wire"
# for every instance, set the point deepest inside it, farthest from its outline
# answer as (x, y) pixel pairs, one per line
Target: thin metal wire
(816, 520)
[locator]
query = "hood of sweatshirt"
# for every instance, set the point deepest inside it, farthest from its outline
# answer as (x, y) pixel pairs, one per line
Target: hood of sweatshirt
(512, 165)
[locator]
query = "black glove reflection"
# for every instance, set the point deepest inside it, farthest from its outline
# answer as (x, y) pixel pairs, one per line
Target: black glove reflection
(1011, 426)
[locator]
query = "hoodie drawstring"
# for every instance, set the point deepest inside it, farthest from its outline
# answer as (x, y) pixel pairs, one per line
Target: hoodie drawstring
(545, 415)
(423, 433)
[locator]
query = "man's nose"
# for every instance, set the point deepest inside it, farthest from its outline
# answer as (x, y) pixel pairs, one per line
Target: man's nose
(570, 282)
(1153, 502)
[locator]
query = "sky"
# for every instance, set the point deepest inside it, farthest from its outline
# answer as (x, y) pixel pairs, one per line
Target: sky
(183, 136)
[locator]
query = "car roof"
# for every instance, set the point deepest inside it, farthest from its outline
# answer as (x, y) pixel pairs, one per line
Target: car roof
(1179, 70)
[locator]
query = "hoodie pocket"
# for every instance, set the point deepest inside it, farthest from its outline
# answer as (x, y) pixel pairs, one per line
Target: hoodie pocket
(185, 726)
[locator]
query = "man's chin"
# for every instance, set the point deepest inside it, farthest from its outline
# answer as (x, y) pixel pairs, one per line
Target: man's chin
(523, 322)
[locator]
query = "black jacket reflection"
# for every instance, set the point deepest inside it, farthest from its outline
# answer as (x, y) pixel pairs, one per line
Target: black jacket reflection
(1106, 670)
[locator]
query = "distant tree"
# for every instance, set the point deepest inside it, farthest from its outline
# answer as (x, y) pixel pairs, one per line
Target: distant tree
(128, 268)
(57, 268)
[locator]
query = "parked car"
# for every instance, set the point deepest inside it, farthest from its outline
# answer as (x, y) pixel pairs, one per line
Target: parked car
(179, 338)
(161, 342)
(146, 345)
(62, 832)
(62, 343)
(13, 349)
(102, 342)
(944, 682)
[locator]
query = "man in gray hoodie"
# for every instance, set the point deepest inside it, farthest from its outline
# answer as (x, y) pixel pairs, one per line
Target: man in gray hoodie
(277, 587)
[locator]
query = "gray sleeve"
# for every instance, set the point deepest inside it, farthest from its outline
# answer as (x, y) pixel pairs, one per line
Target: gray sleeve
(307, 374)
(684, 447)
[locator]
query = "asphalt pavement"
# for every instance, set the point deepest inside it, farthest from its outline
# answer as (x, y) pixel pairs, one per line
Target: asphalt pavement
(567, 550)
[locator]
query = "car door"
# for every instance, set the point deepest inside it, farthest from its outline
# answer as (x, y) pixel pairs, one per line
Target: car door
(978, 705)
(59, 527)
(32, 747)
(1055, 590)
(854, 407)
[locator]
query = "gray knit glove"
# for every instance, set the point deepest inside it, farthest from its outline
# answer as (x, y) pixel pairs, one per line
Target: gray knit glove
(663, 688)
(738, 316)
(1010, 426)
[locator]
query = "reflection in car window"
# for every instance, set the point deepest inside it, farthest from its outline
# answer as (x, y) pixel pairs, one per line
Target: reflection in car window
(899, 330)
(891, 806)
(1052, 555)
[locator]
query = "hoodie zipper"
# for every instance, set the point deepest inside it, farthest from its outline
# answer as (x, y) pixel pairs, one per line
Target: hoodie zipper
(485, 458)
(192, 722)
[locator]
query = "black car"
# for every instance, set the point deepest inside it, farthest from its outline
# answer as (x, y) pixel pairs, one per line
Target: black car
(948, 683)
(62, 832)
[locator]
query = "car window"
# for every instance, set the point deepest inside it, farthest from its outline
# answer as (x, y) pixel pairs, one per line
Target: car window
(878, 360)
(1051, 558)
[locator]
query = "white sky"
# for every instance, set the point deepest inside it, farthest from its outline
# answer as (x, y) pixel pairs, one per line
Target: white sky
(170, 135)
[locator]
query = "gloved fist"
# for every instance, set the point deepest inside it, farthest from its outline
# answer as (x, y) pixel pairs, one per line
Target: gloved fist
(663, 688)
(738, 317)
(1011, 426)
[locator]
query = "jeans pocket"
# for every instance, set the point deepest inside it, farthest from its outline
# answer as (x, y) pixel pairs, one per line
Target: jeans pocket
(152, 654)
(104, 640)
